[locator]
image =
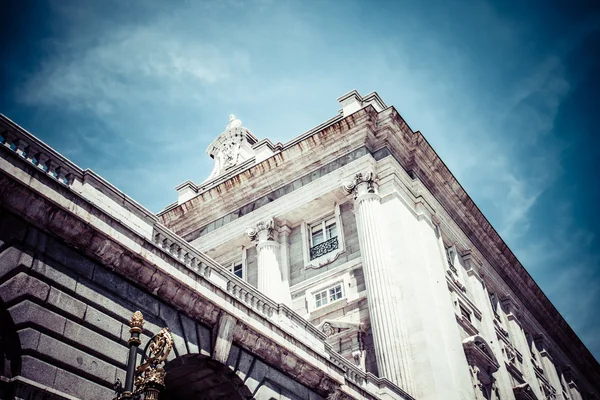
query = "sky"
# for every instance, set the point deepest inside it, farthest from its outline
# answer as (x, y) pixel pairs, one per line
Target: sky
(505, 91)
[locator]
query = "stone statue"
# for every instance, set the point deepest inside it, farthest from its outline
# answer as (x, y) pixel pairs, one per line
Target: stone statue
(233, 123)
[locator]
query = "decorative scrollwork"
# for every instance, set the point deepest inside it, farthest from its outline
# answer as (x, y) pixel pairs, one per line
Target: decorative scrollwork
(323, 248)
(150, 374)
(362, 183)
(327, 329)
(267, 227)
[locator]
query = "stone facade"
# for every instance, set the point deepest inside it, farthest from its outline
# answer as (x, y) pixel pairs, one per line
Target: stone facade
(347, 263)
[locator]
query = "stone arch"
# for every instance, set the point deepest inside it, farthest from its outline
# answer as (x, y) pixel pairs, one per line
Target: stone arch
(199, 376)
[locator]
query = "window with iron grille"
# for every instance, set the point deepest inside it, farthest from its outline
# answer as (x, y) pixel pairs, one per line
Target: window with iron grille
(323, 237)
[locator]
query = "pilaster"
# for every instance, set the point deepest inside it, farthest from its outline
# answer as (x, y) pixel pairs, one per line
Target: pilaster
(284, 260)
(520, 341)
(224, 338)
(478, 291)
(548, 365)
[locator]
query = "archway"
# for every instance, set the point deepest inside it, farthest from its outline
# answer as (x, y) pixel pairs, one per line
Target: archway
(196, 376)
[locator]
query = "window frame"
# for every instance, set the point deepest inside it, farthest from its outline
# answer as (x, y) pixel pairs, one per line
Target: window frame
(239, 262)
(307, 237)
(331, 305)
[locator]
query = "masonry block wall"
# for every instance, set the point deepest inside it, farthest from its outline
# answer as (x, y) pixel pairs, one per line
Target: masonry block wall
(70, 316)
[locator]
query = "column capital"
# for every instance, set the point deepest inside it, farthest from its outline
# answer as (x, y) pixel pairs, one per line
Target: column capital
(363, 185)
(263, 231)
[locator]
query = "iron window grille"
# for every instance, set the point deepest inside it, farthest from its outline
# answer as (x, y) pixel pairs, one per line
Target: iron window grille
(323, 238)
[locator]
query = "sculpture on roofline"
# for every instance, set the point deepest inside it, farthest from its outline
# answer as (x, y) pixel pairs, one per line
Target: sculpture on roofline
(234, 122)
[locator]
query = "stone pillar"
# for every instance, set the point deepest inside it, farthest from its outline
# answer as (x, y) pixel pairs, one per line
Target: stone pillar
(391, 353)
(269, 274)
(284, 262)
(520, 341)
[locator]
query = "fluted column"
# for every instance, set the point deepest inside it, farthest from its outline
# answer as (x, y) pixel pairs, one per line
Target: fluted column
(269, 274)
(391, 353)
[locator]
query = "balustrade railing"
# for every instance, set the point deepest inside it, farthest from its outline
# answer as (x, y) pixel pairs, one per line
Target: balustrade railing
(37, 153)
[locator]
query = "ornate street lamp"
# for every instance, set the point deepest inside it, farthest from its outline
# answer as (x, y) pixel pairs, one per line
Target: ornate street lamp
(149, 377)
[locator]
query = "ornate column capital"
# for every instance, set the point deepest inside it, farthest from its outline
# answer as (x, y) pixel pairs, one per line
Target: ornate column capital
(263, 231)
(362, 185)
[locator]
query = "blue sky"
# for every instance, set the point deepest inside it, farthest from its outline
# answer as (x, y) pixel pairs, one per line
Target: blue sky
(506, 92)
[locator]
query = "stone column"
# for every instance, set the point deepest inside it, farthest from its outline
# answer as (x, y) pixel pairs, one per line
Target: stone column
(391, 353)
(284, 262)
(269, 274)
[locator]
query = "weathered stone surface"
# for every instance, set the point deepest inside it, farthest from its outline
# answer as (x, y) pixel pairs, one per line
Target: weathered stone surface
(104, 323)
(66, 303)
(23, 285)
(28, 313)
(81, 388)
(12, 258)
(69, 258)
(38, 371)
(51, 270)
(77, 360)
(97, 342)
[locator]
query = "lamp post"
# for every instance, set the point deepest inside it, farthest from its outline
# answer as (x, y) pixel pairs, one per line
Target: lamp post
(149, 377)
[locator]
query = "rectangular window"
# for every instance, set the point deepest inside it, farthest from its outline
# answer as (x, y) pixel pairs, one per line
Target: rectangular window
(322, 231)
(329, 295)
(465, 313)
(450, 256)
(237, 269)
(323, 237)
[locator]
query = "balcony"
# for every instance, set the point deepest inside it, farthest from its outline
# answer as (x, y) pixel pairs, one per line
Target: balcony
(323, 248)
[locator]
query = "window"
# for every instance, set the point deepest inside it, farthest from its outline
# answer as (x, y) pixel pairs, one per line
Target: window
(329, 295)
(465, 313)
(450, 258)
(323, 237)
(237, 269)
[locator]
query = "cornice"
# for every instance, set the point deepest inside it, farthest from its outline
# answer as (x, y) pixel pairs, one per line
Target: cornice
(258, 180)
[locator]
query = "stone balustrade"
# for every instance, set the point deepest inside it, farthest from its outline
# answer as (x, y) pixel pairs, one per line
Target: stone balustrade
(36, 152)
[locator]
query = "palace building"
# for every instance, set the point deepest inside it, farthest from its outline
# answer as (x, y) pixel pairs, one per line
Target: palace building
(347, 263)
